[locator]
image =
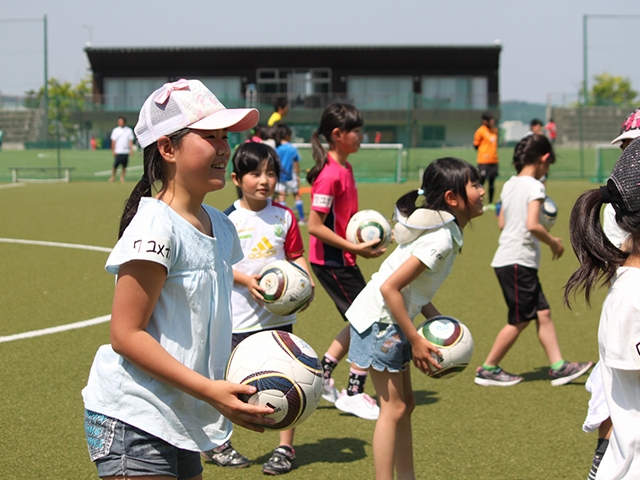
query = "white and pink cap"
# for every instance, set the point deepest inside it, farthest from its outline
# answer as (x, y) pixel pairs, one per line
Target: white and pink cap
(188, 104)
(630, 127)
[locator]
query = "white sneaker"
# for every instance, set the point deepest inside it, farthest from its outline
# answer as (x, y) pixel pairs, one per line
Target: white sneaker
(329, 391)
(360, 405)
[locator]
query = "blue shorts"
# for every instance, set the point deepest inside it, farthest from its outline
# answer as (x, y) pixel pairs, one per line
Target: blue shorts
(119, 449)
(383, 346)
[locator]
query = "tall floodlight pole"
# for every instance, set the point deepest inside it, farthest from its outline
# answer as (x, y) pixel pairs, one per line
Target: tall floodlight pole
(46, 81)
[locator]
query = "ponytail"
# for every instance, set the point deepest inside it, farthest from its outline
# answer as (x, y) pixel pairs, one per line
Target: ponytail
(153, 172)
(528, 150)
(319, 156)
(342, 116)
(598, 257)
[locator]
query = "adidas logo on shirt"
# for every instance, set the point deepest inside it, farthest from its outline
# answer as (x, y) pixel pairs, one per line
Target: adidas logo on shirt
(263, 249)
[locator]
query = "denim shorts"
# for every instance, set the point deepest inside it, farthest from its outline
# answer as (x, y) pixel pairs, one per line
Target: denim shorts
(119, 449)
(383, 346)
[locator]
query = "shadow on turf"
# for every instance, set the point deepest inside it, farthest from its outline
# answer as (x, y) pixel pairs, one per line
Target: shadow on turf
(542, 374)
(327, 450)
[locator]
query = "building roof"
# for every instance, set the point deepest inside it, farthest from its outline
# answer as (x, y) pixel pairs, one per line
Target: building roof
(132, 61)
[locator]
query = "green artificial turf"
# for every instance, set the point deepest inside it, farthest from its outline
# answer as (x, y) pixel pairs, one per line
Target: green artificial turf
(460, 430)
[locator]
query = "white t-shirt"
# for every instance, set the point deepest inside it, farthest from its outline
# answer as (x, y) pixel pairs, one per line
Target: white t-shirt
(517, 245)
(191, 320)
(265, 236)
(437, 249)
(619, 342)
(612, 230)
(122, 136)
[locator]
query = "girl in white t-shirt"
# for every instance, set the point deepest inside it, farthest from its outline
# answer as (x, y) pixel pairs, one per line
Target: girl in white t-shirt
(516, 263)
(383, 337)
(602, 262)
(156, 396)
(268, 232)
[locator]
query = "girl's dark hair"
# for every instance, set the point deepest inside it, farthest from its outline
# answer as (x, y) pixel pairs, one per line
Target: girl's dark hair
(153, 172)
(250, 156)
(342, 116)
(530, 149)
(598, 257)
(441, 175)
(282, 132)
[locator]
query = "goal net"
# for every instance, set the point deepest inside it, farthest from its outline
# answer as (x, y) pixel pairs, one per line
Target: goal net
(606, 157)
(374, 162)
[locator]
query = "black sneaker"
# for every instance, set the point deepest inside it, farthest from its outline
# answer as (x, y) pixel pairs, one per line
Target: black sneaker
(225, 456)
(569, 371)
(495, 378)
(281, 461)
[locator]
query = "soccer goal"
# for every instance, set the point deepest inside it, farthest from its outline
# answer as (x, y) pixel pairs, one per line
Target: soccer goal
(375, 162)
(41, 174)
(606, 157)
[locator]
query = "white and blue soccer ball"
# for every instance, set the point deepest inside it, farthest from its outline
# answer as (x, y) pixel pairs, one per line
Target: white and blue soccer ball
(285, 370)
(548, 213)
(453, 339)
(287, 287)
(367, 225)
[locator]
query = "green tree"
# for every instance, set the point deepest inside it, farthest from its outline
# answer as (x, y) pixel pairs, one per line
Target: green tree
(612, 90)
(64, 98)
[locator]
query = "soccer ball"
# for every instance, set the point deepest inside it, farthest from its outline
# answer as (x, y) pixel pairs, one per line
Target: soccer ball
(548, 213)
(287, 287)
(285, 370)
(454, 341)
(367, 225)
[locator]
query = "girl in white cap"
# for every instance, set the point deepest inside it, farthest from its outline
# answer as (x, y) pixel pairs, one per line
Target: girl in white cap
(602, 262)
(156, 397)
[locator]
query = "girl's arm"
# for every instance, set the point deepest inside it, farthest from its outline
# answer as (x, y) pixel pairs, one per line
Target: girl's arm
(429, 311)
(137, 291)
(501, 219)
(251, 282)
(318, 229)
(538, 231)
(391, 292)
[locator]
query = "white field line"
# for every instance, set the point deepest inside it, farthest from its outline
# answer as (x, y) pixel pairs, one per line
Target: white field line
(55, 244)
(104, 173)
(60, 328)
(11, 185)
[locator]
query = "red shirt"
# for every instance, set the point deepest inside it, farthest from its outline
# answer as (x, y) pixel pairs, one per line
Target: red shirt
(334, 193)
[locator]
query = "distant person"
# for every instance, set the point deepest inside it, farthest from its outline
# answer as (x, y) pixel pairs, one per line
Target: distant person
(280, 110)
(378, 137)
(551, 130)
(535, 127)
(602, 263)
(122, 147)
(485, 140)
(598, 417)
(516, 264)
(289, 181)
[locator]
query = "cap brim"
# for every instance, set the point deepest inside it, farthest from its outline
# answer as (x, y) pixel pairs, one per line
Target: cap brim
(233, 119)
(628, 135)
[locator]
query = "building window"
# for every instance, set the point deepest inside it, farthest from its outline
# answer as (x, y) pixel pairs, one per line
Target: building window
(129, 93)
(303, 87)
(433, 132)
(381, 93)
(453, 93)
(226, 89)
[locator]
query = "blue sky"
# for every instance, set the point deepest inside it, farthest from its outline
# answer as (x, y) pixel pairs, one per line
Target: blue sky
(542, 41)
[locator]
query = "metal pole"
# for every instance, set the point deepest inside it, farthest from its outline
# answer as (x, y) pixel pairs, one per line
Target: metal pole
(46, 82)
